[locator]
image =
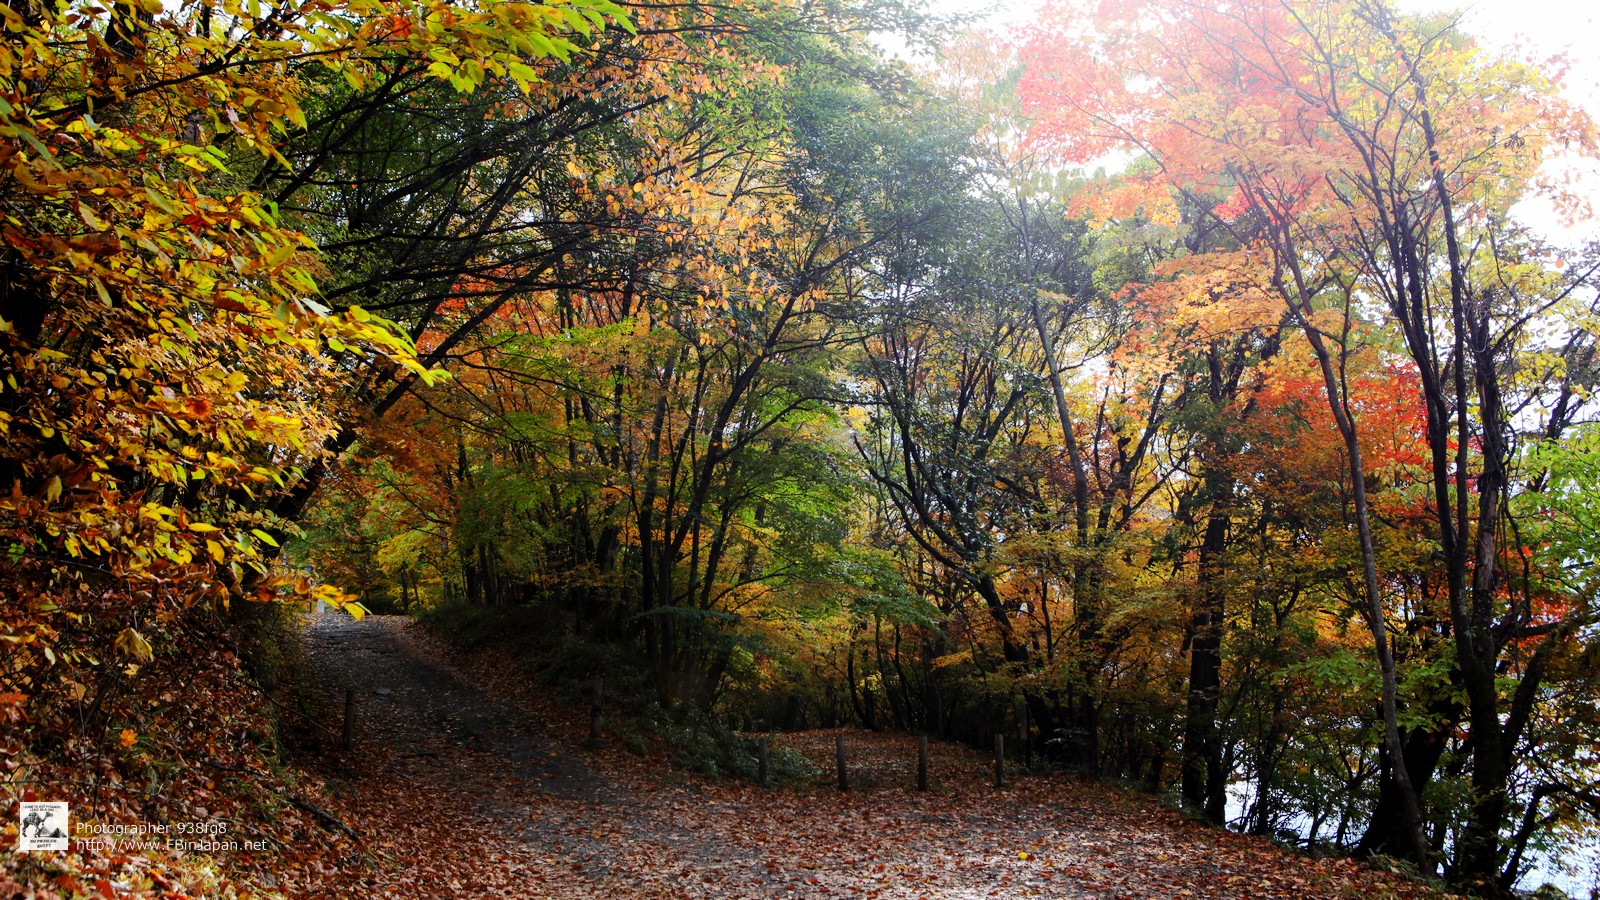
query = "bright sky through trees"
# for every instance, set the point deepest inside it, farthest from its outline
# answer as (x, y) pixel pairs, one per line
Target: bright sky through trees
(1548, 27)
(1542, 29)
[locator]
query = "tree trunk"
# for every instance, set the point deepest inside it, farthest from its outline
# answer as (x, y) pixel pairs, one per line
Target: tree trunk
(1204, 779)
(1333, 382)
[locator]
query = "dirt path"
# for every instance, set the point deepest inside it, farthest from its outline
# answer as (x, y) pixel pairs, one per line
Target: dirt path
(463, 792)
(472, 761)
(428, 718)
(458, 761)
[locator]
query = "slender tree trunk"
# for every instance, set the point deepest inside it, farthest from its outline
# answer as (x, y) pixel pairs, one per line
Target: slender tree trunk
(1204, 778)
(1411, 812)
(1083, 715)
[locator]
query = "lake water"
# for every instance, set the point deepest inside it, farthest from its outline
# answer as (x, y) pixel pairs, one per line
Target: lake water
(1576, 872)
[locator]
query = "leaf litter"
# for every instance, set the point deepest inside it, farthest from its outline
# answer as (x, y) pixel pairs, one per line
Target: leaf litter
(470, 782)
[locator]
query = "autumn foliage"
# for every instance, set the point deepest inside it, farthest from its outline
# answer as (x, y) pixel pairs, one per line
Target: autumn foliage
(167, 368)
(791, 387)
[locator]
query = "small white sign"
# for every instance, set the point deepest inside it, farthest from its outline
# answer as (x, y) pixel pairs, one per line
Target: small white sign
(44, 826)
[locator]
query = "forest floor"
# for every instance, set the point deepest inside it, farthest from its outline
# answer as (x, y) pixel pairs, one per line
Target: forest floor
(466, 782)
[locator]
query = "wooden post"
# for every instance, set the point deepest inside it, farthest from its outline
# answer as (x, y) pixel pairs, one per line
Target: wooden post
(762, 750)
(838, 752)
(348, 740)
(1027, 742)
(595, 740)
(999, 760)
(922, 762)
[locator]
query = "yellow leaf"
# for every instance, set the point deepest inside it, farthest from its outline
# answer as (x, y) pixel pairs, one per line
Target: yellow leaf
(132, 643)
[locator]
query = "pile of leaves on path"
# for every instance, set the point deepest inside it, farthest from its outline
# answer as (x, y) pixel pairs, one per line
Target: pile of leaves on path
(185, 741)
